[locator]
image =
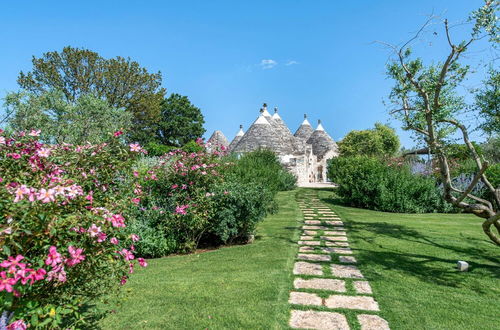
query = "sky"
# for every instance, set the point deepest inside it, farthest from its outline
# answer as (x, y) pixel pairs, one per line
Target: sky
(316, 57)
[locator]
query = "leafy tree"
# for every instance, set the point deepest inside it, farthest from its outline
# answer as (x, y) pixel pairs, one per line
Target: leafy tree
(488, 103)
(378, 142)
(87, 119)
(425, 99)
(491, 149)
(180, 121)
(123, 83)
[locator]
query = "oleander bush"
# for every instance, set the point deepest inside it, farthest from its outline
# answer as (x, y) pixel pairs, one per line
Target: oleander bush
(63, 235)
(378, 185)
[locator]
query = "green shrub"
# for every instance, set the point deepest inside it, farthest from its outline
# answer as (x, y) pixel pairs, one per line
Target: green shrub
(262, 167)
(238, 209)
(371, 183)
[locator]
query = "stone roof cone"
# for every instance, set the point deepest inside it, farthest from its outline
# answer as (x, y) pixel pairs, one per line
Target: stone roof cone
(305, 130)
(218, 139)
(261, 135)
(321, 142)
(265, 113)
(236, 139)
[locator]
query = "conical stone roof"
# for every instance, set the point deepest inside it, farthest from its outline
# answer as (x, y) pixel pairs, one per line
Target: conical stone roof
(218, 139)
(236, 139)
(287, 140)
(305, 130)
(263, 134)
(321, 142)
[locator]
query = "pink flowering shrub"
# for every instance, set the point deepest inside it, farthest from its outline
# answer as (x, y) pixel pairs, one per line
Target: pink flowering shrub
(63, 235)
(178, 203)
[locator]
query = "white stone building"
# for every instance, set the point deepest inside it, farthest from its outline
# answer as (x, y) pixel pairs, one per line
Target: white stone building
(304, 153)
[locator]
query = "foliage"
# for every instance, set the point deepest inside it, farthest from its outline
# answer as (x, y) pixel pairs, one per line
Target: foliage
(62, 233)
(262, 167)
(491, 148)
(180, 121)
(373, 184)
(178, 201)
(461, 152)
(238, 209)
(87, 119)
(123, 83)
(380, 141)
(488, 103)
(425, 98)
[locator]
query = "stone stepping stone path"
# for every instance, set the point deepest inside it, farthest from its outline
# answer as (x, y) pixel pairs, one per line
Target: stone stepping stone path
(327, 280)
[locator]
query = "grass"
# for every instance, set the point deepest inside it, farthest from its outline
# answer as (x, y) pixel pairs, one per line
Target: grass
(410, 261)
(236, 287)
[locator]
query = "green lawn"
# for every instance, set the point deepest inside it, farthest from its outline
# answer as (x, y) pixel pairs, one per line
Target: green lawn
(409, 260)
(235, 287)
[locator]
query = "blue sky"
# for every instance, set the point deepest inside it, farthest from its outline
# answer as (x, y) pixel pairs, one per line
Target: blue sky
(314, 57)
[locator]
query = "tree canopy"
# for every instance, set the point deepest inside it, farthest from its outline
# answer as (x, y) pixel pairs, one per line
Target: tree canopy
(377, 142)
(87, 119)
(180, 121)
(121, 82)
(488, 103)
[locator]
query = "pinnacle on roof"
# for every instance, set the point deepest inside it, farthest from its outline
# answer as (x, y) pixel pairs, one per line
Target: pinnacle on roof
(320, 127)
(236, 139)
(264, 110)
(305, 130)
(275, 115)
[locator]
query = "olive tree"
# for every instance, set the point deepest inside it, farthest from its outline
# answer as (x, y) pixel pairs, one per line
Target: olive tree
(425, 98)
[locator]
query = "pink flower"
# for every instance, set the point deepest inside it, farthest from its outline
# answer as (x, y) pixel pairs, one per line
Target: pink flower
(46, 196)
(101, 237)
(142, 262)
(20, 192)
(136, 174)
(17, 325)
(13, 263)
(94, 230)
(135, 147)
(77, 256)
(43, 152)
(174, 186)
(54, 257)
(34, 132)
(123, 280)
(6, 283)
(181, 209)
(130, 268)
(90, 197)
(136, 201)
(127, 254)
(2, 140)
(114, 241)
(58, 273)
(226, 192)
(32, 275)
(117, 133)
(117, 220)
(14, 155)
(134, 237)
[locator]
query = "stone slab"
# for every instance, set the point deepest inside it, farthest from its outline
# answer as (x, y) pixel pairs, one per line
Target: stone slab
(335, 223)
(362, 287)
(334, 238)
(320, 284)
(314, 257)
(304, 298)
(312, 222)
(306, 249)
(311, 243)
(347, 259)
(346, 271)
(315, 227)
(372, 322)
(310, 232)
(337, 250)
(306, 238)
(335, 233)
(352, 302)
(342, 244)
(307, 268)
